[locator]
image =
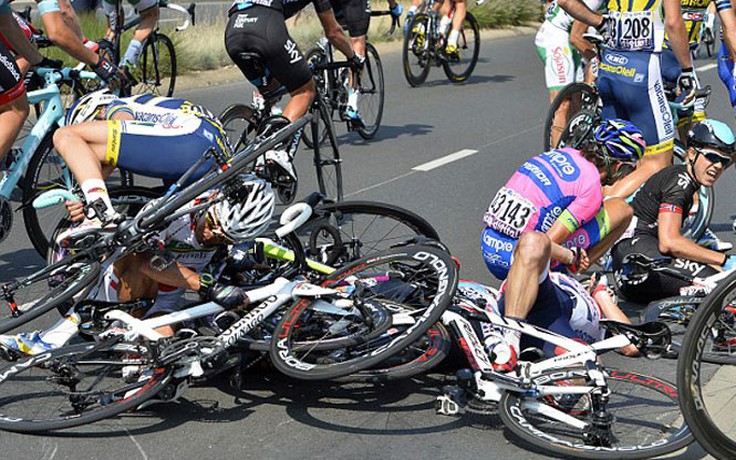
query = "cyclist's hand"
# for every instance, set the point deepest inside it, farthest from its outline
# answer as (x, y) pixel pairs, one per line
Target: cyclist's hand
(107, 71)
(357, 62)
(397, 11)
(50, 63)
(687, 84)
(730, 263)
(75, 210)
(230, 297)
(580, 261)
(606, 28)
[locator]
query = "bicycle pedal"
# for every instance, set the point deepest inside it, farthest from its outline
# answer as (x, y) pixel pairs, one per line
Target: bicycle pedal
(452, 402)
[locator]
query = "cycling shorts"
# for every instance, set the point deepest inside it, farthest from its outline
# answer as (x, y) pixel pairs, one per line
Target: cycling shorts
(671, 71)
(353, 15)
(108, 6)
(656, 285)
(631, 87)
(726, 72)
(11, 80)
(498, 249)
(561, 60)
(262, 31)
(162, 151)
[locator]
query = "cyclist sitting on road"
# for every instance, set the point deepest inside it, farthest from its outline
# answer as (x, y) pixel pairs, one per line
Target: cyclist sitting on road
(149, 13)
(630, 77)
(662, 205)
(190, 246)
(559, 193)
(148, 135)
(260, 28)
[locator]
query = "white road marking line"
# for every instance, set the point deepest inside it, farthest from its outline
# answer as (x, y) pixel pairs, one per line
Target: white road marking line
(371, 187)
(445, 160)
(706, 67)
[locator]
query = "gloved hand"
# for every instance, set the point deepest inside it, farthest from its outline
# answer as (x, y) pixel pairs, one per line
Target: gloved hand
(106, 70)
(222, 294)
(730, 263)
(687, 84)
(397, 11)
(357, 62)
(50, 63)
(606, 28)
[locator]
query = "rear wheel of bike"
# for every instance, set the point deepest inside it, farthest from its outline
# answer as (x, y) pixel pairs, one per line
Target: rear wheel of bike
(372, 92)
(415, 284)
(676, 312)
(77, 385)
(156, 69)
(646, 420)
(47, 171)
(350, 230)
(49, 288)
(706, 390)
(459, 68)
(569, 101)
(416, 53)
(316, 56)
(240, 125)
(697, 222)
(327, 160)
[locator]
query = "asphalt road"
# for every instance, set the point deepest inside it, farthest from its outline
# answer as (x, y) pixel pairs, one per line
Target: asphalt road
(498, 113)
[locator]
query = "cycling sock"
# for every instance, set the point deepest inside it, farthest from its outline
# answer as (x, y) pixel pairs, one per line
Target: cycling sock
(353, 99)
(413, 9)
(61, 332)
(452, 39)
(444, 24)
(133, 53)
(95, 189)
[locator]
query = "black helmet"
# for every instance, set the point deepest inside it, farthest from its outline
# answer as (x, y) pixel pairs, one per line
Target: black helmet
(713, 134)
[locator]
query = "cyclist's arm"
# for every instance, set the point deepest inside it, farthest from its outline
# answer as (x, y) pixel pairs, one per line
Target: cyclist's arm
(672, 243)
(63, 36)
(17, 39)
(611, 311)
(677, 35)
(728, 21)
(70, 19)
(334, 33)
(585, 48)
(580, 11)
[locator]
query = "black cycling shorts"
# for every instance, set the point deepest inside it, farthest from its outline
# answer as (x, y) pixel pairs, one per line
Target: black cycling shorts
(656, 285)
(11, 80)
(262, 31)
(353, 15)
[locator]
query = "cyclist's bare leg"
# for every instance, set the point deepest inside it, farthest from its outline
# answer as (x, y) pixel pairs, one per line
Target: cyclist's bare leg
(149, 19)
(560, 120)
(457, 21)
(83, 148)
(531, 262)
(647, 166)
(619, 216)
(12, 116)
(358, 44)
(300, 102)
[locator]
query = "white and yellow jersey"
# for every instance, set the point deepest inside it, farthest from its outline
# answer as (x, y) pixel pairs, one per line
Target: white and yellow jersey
(639, 25)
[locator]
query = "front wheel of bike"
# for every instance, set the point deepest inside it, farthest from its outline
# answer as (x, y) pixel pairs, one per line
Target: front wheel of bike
(569, 101)
(459, 67)
(414, 284)
(77, 385)
(372, 93)
(706, 390)
(645, 421)
(416, 53)
(156, 70)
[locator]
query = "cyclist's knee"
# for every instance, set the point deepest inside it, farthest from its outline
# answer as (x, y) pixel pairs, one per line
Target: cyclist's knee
(62, 136)
(533, 248)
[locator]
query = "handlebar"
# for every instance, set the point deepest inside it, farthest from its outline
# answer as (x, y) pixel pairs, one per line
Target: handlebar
(53, 197)
(293, 218)
(67, 73)
(395, 20)
(189, 11)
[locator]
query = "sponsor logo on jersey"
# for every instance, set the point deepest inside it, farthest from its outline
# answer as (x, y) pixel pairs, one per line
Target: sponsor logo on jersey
(294, 54)
(242, 20)
(560, 63)
(618, 69)
(617, 59)
(549, 218)
(563, 165)
(683, 180)
(497, 244)
(167, 120)
(10, 65)
(694, 3)
(664, 108)
(538, 173)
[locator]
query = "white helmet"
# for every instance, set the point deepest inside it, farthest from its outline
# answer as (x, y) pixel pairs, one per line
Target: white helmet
(250, 215)
(85, 108)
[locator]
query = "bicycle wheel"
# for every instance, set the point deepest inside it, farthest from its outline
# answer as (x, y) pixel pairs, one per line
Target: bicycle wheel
(77, 385)
(372, 93)
(646, 418)
(52, 287)
(414, 283)
(156, 69)
(316, 56)
(327, 162)
(569, 101)
(706, 390)
(458, 69)
(710, 41)
(676, 312)
(349, 230)
(416, 54)
(699, 219)
(240, 124)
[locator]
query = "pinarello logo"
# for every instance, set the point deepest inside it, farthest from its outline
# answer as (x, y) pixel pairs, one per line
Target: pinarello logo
(617, 59)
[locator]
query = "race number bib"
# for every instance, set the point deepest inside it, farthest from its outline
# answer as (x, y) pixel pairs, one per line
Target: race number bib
(634, 31)
(509, 213)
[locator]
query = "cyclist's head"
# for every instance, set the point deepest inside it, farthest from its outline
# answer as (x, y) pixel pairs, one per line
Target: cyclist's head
(88, 106)
(247, 213)
(711, 150)
(619, 141)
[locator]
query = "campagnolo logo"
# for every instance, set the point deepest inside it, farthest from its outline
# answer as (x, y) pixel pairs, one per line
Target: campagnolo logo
(617, 59)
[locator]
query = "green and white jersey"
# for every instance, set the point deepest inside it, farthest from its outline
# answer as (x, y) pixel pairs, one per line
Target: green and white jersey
(561, 19)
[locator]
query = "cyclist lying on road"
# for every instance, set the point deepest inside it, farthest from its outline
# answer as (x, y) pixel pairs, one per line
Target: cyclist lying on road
(190, 246)
(660, 207)
(559, 193)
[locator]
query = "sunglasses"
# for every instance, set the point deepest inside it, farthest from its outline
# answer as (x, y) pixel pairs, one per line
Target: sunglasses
(213, 223)
(715, 157)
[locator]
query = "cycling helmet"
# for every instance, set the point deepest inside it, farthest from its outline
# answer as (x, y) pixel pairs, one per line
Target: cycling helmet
(620, 140)
(249, 214)
(85, 108)
(713, 134)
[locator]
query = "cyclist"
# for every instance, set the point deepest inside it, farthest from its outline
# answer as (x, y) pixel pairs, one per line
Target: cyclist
(153, 136)
(559, 193)
(190, 249)
(630, 77)
(456, 21)
(149, 13)
(659, 208)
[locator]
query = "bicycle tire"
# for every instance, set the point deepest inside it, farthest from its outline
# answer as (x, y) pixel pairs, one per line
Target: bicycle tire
(156, 70)
(710, 42)
(317, 55)
(422, 284)
(346, 231)
(372, 94)
(40, 386)
(459, 74)
(327, 162)
(578, 94)
(49, 288)
(652, 435)
(240, 124)
(417, 47)
(703, 410)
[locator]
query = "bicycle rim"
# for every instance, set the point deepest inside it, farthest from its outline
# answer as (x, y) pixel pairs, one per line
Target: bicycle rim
(416, 53)
(676, 312)
(415, 283)
(458, 69)
(240, 124)
(571, 100)
(372, 91)
(76, 385)
(156, 70)
(646, 423)
(327, 160)
(706, 390)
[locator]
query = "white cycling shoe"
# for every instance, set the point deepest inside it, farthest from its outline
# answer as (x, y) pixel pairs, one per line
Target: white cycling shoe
(282, 161)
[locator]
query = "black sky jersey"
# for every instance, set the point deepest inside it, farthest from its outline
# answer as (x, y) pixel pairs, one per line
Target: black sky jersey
(288, 7)
(669, 190)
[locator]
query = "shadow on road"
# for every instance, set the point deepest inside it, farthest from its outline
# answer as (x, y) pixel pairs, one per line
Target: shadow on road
(386, 132)
(472, 80)
(19, 263)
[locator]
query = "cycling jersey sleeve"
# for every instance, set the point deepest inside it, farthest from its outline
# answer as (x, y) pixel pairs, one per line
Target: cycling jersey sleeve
(118, 107)
(48, 6)
(583, 208)
(674, 200)
(723, 5)
(320, 6)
